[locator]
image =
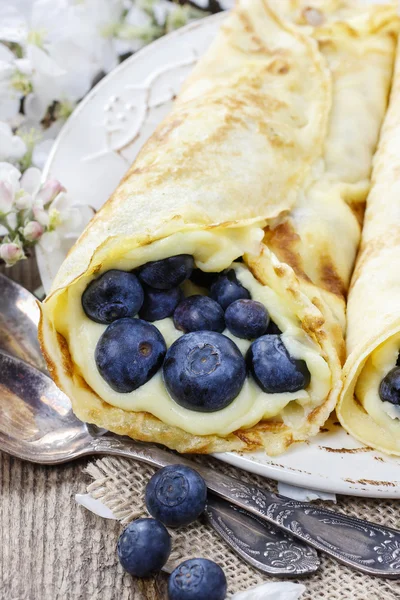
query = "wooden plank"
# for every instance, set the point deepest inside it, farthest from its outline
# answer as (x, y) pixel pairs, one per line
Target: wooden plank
(53, 549)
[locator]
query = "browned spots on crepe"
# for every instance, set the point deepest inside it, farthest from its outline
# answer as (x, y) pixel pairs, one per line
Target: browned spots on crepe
(82, 383)
(162, 133)
(67, 363)
(358, 210)
(258, 47)
(330, 278)
(96, 269)
(374, 247)
(283, 240)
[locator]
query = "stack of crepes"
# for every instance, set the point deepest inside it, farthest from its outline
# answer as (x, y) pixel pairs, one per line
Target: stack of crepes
(266, 155)
(373, 339)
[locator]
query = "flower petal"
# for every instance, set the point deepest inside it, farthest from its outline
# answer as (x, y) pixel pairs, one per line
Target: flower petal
(41, 153)
(48, 192)
(5, 53)
(23, 202)
(11, 174)
(30, 180)
(49, 241)
(13, 26)
(35, 107)
(12, 147)
(6, 196)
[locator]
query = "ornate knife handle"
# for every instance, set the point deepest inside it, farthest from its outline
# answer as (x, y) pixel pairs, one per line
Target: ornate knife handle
(365, 546)
(368, 547)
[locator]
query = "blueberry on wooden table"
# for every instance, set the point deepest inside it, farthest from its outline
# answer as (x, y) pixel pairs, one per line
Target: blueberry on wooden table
(176, 495)
(129, 353)
(159, 304)
(113, 295)
(204, 371)
(199, 313)
(144, 547)
(389, 389)
(247, 319)
(226, 289)
(274, 369)
(167, 273)
(197, 579)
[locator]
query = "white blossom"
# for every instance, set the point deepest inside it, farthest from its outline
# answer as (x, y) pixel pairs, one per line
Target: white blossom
(6, 197)
(40, 153)
(11, 252)
(11, 175)
(12, 147)
(11, 85)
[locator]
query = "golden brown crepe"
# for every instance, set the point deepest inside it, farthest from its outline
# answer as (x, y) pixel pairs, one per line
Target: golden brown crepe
(373, 339)
(266, 155)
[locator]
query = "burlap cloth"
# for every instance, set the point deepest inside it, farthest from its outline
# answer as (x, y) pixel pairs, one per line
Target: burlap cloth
(120, 483)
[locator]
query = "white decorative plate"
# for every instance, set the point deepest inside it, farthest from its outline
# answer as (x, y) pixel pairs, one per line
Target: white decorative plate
(92, 153)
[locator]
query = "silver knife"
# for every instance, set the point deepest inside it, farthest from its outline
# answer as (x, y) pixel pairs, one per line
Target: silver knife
(263, 546)
(367, 547)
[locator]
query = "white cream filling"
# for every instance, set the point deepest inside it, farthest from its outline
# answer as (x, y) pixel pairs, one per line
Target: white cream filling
(378, 365)
(212, 251)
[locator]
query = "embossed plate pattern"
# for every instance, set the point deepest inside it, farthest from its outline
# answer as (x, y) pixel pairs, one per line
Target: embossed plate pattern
(92, 153)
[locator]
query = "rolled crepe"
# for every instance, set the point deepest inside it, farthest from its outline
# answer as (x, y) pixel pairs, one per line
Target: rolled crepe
(266, 156)
(373, 335)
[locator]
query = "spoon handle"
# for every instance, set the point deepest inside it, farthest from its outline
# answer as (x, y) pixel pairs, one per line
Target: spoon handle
(262, 545)
(367, 547)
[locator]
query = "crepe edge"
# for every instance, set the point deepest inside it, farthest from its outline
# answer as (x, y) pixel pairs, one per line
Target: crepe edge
(273, 437)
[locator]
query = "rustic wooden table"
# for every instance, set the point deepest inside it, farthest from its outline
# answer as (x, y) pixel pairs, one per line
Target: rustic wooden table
(51, 548)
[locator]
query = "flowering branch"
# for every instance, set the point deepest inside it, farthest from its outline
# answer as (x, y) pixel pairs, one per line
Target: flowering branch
(45, 70)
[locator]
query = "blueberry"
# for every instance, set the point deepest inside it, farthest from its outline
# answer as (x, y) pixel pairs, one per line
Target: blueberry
(160, 304)
(199, 313)
(197, 579)
(274, 369)
(204, 371)
(167, 273)
(226, 289)
(273, 329)
(247, 319)
(144, 547)
(129, 353)
(389, 389)
(112, 296)
(202, 278)
(176, 495)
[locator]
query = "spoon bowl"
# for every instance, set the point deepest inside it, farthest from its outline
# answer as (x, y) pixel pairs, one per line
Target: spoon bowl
(19, 319)
(36, 419)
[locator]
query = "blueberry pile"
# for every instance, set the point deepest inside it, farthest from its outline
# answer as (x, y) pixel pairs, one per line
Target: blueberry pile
(175, 496)
(203, 370)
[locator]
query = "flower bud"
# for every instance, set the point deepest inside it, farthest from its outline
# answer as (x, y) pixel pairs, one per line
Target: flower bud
(49, 191)
(23, 202)
(41, 215)
(33, 231)
(11, 253)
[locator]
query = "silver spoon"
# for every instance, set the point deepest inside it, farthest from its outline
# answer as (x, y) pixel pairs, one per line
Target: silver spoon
(47, 432)
(37, 424)
(19, 319)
